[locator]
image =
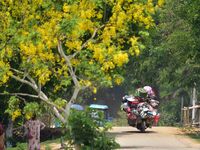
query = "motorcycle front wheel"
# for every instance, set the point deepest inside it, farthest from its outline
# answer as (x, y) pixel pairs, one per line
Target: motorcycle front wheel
(142, 126)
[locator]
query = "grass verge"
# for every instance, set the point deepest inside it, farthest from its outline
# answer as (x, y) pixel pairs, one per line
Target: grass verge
(23, 146)
(192, 132)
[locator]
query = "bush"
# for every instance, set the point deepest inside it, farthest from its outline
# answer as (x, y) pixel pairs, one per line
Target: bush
(86, 133)
(170, 113)
(121, 120)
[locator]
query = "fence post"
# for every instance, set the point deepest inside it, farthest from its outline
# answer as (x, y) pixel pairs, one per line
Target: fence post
(188, 115)
(182, 110)
(184, 116)
(199, 117)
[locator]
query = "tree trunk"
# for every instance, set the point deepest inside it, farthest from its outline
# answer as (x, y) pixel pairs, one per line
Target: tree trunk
(9, 133)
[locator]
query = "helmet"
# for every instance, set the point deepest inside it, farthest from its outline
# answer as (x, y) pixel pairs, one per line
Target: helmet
(141, 92)
(149, 90)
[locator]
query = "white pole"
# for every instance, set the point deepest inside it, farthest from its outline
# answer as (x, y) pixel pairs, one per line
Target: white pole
(194, 99)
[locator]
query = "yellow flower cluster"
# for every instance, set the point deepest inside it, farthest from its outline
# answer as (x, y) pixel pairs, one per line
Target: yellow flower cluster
(75, 62)
(107, 34)
(138, 13)
(16, 114)
(134, 46)
(85, 83)
(74, 45)
(118, 80)
(28, 115)
(108, 66)
(31, 51)
(28, 50)
(161, 3)
(43, 75)
(6, 52)
(94, 90)
(5, 73)
(66, 8)
(120, 59)
(85, 25)
(98, 54)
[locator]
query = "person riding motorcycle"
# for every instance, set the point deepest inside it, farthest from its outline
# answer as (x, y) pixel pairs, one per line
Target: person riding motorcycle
(139, 109)
(130, 103)
(150, 92)
(151, 96)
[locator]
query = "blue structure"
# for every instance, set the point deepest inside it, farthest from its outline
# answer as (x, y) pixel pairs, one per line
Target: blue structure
(77, 107)
(103, 108)
(97, 106)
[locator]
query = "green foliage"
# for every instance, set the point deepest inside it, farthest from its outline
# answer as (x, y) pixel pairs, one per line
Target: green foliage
(121, 120)
(47, 147)
(32, 108)
(170, 61)
(60, 102)
(170, 113)
(13, 104)
(20, 146)
(14, 107)
(85, 131)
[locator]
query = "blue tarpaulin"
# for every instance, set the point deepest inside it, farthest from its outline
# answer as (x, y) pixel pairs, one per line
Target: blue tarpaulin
(98, 106)
(77, 107)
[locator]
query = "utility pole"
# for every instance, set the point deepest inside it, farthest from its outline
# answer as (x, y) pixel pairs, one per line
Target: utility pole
(194, 99)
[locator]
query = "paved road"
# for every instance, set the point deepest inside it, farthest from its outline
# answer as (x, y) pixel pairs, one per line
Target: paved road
(157, 138)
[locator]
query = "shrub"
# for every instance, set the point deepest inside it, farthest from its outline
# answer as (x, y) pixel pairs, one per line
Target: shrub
(86, 133)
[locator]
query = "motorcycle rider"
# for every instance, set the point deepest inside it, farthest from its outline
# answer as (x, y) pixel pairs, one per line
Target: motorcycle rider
(152, 101)
(141, 94)
(150, 92)
(151, 96)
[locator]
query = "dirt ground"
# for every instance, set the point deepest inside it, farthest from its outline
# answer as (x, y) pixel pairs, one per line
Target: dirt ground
(157, 138)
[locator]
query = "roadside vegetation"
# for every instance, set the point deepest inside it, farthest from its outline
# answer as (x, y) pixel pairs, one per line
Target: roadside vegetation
(192, 132)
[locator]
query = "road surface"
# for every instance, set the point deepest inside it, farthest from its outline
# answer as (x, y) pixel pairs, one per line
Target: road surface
(157, 138)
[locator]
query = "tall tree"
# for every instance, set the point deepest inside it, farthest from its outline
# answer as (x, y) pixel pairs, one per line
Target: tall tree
(50, 46)
(172, 48)
(170, 62)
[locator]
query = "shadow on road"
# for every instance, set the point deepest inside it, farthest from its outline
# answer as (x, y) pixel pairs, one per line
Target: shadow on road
(141, 147)
(129, 147)
(130, 132)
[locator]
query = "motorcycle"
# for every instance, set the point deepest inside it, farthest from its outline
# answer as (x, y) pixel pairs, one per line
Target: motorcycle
(141, 113)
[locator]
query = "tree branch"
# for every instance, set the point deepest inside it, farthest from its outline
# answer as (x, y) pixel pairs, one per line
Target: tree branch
(46, 99)
(34, 86)
(68, 63)
(21, 94)
(86, 42)
(26, 75)
(40, 95)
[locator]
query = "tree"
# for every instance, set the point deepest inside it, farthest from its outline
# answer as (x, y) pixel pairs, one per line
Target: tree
(172, 48)
(50, 47)
(170, 61)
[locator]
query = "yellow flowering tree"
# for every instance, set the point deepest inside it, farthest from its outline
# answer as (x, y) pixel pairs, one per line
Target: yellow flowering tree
(52, 46)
